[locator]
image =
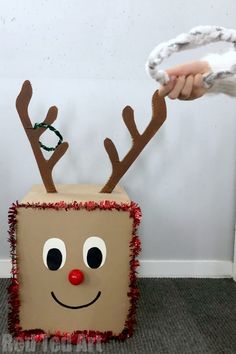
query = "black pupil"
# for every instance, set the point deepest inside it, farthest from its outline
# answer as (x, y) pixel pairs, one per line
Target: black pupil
(54, 259)
(94, 257)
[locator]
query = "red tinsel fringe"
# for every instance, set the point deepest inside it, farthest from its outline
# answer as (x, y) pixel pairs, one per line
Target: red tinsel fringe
(76, 337)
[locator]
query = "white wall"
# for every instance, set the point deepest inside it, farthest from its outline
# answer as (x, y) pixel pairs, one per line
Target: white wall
(87, 57)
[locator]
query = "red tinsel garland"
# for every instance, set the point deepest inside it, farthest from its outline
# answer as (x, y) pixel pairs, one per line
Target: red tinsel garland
(77, 336)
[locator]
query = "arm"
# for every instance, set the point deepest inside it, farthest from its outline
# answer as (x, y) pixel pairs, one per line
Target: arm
(223, 62)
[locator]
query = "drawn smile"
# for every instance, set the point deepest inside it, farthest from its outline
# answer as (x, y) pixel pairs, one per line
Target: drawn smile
(75, 307)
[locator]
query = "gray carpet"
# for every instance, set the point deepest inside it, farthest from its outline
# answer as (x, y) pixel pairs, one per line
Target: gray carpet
(175, 316)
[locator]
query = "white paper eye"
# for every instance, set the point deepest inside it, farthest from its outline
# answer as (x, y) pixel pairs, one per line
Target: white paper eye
(54, 253)
(94, 252)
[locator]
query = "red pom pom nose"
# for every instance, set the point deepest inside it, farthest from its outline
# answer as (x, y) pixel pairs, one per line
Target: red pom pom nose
(76, 277)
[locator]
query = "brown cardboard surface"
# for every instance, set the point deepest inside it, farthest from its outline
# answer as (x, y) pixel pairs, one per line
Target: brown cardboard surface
(38, 309)
(139, 141)
(74, 192)
(45, 166)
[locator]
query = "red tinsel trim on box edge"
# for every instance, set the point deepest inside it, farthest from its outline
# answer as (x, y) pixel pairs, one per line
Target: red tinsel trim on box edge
(78, 336)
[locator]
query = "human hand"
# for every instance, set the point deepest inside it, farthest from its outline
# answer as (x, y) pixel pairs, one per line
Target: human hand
(186, 81)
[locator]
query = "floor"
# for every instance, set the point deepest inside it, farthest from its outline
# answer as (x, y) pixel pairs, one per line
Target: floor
(175, 316)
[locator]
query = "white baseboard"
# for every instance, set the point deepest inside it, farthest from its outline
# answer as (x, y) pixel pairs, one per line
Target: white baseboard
(234, 261)
(166, 269)
(5, 268)
(185, 269)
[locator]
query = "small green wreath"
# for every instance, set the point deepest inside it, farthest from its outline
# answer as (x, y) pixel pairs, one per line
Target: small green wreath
(50, 127)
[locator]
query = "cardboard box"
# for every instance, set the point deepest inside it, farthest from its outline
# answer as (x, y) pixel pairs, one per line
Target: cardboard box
(74, 260)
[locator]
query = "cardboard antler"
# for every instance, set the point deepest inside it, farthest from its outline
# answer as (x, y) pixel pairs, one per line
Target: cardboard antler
(45, 166)
(119, 168)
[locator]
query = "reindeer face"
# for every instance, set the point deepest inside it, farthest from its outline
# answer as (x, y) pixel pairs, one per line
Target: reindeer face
(74, 268)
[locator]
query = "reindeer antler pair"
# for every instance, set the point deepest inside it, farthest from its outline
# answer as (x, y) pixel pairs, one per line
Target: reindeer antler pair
(119, 168)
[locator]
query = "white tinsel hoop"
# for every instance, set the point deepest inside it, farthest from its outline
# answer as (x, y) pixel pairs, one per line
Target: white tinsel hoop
(197, 37)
